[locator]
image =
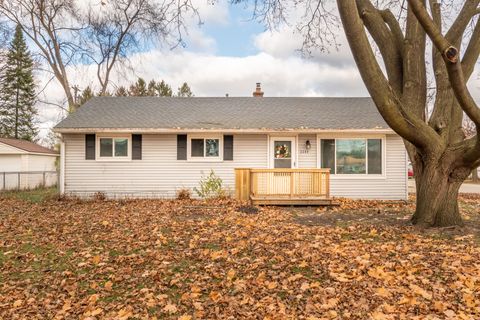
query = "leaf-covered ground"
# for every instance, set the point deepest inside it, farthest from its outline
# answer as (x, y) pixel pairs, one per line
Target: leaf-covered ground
(151, 259)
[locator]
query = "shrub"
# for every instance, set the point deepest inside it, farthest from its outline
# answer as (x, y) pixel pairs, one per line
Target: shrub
(211, 186)
(99, 196)
(184, 194)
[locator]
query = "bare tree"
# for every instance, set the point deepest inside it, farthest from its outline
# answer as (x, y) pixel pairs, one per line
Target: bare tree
(105, 34)
(123, 27)
(441, 154)
(50, 25)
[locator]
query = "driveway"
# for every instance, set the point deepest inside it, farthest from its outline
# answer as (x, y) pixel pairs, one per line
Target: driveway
(465, 188)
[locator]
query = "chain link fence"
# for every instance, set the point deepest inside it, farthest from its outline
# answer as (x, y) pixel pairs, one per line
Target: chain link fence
(23, 180)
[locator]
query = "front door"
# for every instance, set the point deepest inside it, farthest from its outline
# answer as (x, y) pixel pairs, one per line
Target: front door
(282, 153)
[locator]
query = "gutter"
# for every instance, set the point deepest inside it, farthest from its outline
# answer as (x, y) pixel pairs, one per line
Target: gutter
(252, 131)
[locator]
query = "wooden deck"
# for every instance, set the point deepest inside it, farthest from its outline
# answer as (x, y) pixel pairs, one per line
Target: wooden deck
(283, 186)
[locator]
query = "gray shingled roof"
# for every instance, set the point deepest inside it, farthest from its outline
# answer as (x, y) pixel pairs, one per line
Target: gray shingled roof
(225, 113)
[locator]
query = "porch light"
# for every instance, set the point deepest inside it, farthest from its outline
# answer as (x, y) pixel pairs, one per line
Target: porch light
(308, 145)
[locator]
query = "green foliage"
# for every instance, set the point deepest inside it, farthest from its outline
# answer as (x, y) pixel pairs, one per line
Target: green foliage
(184, 91)
(138, 89)
(211, 186)
(87, 94)
(17, 92)
(141, 89)
(164, 89)
(121, 92)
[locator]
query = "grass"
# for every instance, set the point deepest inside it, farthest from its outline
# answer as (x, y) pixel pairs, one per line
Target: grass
(33, 196)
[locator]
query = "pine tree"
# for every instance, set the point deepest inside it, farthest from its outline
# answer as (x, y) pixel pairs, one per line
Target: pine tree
(152, 89)
(17, 92)
(121, 92)
(138, 89)
(184, 91)
(164, 89)
(87, 94)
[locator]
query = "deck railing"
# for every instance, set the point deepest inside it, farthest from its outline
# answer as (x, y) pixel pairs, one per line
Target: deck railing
(282, 184)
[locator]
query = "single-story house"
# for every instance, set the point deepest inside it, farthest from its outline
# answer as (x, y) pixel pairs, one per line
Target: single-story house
(26, 165)
(154, 146)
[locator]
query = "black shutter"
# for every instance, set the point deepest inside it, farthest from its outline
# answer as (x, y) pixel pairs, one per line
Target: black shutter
(182, 147)
(89, 147)
(136, 147)
(227, 147)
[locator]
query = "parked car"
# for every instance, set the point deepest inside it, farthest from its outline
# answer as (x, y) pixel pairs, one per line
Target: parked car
(410, 170)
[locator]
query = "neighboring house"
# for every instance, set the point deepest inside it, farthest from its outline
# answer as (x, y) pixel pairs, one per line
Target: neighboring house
(26, 165)
(154, 146)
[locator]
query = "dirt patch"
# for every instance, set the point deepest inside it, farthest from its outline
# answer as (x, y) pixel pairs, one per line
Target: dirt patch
(389, 213)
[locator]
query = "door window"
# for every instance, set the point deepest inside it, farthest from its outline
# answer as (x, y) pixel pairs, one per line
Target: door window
(282, 154)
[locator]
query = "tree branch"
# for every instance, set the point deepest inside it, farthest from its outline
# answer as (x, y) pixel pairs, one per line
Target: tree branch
(409, 127)
(451, 57)
(414, 96)
(455, 33)
(394, 26)
(382, 36)
(470, 57)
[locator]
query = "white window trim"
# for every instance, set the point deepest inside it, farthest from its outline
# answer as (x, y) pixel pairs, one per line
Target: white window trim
(113, 158)
(340, 176)
(204, 158)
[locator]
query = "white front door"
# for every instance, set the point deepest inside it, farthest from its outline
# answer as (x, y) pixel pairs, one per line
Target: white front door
(282, 153)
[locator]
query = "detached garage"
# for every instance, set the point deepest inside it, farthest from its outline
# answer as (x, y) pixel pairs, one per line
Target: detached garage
(26, 165)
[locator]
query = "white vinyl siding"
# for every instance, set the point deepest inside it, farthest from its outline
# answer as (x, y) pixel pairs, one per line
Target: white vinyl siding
(159, 173)
(392, 185)
(307, 158)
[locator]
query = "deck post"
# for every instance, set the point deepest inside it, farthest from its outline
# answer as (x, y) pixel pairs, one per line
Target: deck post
(242, 184)
(327, 183)
(292, 176)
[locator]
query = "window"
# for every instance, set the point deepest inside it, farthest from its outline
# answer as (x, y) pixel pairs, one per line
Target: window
(205, 148)
(113, 147)
(351, 156)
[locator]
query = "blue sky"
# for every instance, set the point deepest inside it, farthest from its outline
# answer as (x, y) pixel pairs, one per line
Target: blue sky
(235, 39)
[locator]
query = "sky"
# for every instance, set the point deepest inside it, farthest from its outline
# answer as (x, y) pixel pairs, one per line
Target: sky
(228, 54)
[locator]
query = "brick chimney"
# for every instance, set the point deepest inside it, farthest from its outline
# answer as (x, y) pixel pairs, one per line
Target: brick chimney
(258, 91)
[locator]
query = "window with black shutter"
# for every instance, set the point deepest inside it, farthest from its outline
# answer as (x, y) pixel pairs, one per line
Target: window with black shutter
(228, 147)
(136, 147)
(182, 147)
(89, 147)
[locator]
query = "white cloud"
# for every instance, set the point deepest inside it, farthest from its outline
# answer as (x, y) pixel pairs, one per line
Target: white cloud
(278, 65)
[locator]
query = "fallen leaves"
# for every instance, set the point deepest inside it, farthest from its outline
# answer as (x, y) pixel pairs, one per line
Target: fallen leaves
(151, 259)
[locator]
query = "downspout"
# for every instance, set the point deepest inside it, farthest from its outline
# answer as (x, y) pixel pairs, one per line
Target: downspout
(62, 166)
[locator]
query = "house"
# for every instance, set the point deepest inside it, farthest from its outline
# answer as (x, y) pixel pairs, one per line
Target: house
(26, 165)
(154, 146)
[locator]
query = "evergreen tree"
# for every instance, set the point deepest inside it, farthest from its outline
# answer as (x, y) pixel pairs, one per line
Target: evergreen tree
(152, 89)
(184, 91)
(138, 89)
(17, 92)
(121, 92)
(87, 94)
(164, 89)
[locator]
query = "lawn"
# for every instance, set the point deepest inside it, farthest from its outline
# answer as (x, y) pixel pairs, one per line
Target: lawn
(148, 259)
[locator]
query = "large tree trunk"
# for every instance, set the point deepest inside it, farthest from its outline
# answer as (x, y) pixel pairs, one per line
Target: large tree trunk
(437, 199)
(475, 175)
